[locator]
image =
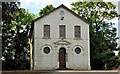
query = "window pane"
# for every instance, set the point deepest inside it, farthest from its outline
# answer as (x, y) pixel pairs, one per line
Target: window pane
(46, 30)
(46, 50)
(77, 50)
(62, 30)
(77, 32)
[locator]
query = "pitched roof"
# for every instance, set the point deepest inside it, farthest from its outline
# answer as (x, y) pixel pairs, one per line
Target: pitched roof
(66, 9)
(32, 26)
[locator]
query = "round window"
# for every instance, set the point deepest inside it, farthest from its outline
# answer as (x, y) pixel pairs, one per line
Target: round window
(77, 50)
(62, 12)
(46, 50)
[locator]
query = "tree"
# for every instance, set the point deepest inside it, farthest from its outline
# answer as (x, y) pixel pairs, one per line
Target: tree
(15, 38)
(46, 9)
(111, 61)
(102, 33)
(8, 12)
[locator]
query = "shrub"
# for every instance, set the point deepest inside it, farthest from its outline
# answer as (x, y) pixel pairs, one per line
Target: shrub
(112, 62)
(119, 52)
(106, 55)
(109, 59)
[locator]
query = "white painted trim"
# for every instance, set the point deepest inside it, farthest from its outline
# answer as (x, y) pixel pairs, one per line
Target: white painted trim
(58, 64)
(65, 56)
(44, 47)
(119, 33)
(46, 24)
(66, 64)
(77, 25)
(35, 58)
(78, 47)
(43, 29)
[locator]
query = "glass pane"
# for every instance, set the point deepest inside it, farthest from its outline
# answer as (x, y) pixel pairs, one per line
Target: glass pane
(46, 50)
(62, 30)
(77, 50)
(77, 31)
(46, 30)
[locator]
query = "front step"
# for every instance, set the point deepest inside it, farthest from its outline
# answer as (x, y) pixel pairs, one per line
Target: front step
(63, 68)
(61, 72)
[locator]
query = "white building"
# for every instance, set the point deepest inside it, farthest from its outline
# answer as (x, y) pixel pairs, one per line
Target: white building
(119, 33)
(119, 25)
(60, 40)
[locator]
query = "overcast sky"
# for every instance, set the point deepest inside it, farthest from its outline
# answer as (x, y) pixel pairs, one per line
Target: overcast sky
(34, 6)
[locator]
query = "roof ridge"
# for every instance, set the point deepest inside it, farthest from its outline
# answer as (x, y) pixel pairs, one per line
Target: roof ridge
(62, 5)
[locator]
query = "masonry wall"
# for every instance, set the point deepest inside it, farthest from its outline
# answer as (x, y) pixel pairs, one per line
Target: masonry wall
(50, 61)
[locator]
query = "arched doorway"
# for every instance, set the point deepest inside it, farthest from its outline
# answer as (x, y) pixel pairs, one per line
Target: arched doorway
(62, 58)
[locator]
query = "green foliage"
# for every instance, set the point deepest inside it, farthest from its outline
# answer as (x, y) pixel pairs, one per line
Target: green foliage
(9, 10)
(119, 53)
(48, 8)
(109, 59)
(107, 55)
(112, 62)
(102, 32)
(17, 23)
(15, 40)
(15, 36)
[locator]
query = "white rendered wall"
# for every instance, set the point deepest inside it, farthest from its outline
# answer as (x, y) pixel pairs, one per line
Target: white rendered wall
(119, 32)
(119, 24)
(49, 61)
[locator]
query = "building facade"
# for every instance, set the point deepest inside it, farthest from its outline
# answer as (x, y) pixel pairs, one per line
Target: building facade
(60, 40)
(119, 24)
(119, 33)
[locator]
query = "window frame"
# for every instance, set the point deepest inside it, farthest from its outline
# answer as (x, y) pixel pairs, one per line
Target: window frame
(75, 50)
(78, 46)
(45, 51)
(62, 35)
(46, 31)
(46, 45)
(77, 35)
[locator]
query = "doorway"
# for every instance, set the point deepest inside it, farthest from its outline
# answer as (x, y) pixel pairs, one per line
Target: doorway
(62, 58)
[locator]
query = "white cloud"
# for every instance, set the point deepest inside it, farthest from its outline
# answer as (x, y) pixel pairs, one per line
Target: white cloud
(47, 2)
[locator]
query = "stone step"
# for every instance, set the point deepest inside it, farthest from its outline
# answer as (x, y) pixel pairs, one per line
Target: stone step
(61, 72)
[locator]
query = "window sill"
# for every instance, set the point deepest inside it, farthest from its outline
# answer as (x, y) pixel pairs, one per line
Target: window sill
(46, 38)
(77, 39)
(62, 38)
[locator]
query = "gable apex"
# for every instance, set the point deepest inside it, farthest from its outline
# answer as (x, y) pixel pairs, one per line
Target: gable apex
(63, 6)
